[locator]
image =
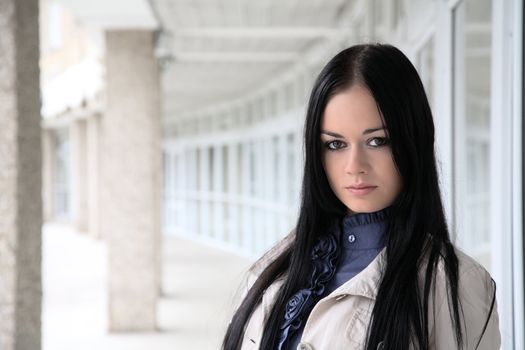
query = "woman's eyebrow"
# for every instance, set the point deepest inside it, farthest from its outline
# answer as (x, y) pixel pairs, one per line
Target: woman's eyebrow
(369, 131)
(330, 133)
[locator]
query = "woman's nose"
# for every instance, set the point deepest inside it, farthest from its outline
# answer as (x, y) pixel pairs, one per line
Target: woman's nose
(356, 162)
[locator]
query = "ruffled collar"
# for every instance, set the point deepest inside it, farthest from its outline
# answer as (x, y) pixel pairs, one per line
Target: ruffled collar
(359, 219)
(324, 259)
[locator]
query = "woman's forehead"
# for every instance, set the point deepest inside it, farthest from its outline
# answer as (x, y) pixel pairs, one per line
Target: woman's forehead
(353, 109)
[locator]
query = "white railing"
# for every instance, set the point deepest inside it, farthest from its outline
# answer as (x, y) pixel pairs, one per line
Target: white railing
(240, 191)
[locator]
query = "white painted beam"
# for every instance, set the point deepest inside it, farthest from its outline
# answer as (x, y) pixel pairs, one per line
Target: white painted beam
(235, 57)
(258, 33)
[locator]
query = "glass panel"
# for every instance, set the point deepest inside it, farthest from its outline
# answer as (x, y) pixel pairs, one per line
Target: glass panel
(225, 170)
(212, 168)
(273, 104)
(193, 170)
(425, 63)
(471, 122)
(252, 169)
(398, 7)
(378, 14)
(276, 167)
(292, 176)
(166, 190)
(288, 97)
(244, 165)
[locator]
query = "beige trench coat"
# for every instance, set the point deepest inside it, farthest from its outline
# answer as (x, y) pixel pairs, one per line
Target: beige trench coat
(340, 320)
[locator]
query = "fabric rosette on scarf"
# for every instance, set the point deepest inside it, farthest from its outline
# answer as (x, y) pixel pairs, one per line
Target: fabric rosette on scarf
(324, 260)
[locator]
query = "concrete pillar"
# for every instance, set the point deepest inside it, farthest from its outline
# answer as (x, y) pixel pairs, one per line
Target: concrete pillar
(218, 231)
(259, 194)
(131, 179)
(93, 171)
(204, 189)
(233, 167)
(269, 191)
(182, 192)
(282, 186)
(48, 161)
(79, 174)
(20, 177)
(192, 164)
(246, 185)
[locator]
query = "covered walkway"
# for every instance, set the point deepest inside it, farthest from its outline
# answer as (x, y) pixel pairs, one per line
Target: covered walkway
(199, 288)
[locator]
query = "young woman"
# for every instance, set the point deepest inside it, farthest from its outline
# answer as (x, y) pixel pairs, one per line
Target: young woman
(370, 264)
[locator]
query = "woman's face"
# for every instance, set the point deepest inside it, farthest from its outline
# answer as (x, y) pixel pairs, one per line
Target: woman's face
(357, 157)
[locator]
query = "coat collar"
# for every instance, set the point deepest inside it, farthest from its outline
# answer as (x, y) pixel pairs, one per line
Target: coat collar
(365, 283)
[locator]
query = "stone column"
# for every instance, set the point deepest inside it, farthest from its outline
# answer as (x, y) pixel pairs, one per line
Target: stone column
(131, 175)
(20, 177)
(93, 171)
(48, 163)
(79, 174)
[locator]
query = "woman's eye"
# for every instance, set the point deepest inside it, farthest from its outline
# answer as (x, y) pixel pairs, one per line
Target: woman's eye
(378, 141)
(334, 145)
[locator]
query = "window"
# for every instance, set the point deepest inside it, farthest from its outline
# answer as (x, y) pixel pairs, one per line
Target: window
(379, 13)
(291, 171)
(425, 64)
(398, 9)
(288, 96)
(472, 95)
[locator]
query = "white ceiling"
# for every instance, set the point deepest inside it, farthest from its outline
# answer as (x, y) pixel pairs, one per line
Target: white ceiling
(221, 49)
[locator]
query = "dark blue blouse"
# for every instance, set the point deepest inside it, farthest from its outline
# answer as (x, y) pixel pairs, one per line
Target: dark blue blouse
(360, 241)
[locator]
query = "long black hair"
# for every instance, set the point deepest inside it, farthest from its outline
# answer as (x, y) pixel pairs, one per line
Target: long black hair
(417, 230)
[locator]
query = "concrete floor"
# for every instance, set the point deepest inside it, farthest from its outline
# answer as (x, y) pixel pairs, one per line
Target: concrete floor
(200, 287)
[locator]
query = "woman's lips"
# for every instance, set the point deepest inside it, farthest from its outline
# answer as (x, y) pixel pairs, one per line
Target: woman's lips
(360, 190)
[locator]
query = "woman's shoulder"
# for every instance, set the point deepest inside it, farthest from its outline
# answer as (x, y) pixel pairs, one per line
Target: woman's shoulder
(476, 288)
(475, 284)
(470, 270)
(466, 263)
(477, 297)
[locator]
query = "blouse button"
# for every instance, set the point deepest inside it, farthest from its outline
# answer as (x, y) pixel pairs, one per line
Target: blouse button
(304, 346)
(351, 238)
